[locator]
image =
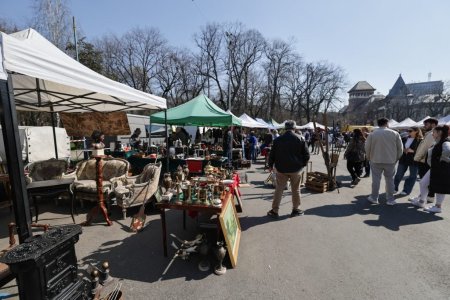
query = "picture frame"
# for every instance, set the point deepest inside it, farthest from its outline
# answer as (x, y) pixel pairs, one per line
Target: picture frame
(231, 229)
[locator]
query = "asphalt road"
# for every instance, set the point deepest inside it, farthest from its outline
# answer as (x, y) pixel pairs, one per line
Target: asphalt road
(342, 248)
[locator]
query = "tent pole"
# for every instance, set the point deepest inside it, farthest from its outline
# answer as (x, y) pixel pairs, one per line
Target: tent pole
(150, 131)
(11, 139)
(230, 155)
(167, 141)
(54, 131)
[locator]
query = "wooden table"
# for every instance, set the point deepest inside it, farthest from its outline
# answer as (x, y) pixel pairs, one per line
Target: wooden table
(50, 188)
(197, 206)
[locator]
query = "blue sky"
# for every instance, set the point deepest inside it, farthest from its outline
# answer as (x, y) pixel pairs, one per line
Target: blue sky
(371, 40)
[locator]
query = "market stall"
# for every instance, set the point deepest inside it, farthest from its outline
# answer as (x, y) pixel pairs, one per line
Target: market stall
(36, 76)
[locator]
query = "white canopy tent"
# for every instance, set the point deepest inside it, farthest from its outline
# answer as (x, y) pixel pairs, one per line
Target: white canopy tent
(248, 121)
(420, 123)
(445, 120)
(392, 123)
(406, 123)
(310, 125)
(265, 123)
(46, 79)
(281, 126)
(36, 76)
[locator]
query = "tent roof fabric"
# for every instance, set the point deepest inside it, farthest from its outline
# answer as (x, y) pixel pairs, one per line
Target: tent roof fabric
(406, 123)
(200, 111)
(265, 123)
(392, 122)
(444, 120)
(46, 79)
(310, 125)
(249, 122)
(420, 123)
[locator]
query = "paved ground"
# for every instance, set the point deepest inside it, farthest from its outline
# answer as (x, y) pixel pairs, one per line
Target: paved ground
(342, 248)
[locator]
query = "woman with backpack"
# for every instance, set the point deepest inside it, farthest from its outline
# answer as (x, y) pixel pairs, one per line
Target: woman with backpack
(355, 155)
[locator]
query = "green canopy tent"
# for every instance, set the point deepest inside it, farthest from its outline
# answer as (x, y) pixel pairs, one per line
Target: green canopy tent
(200, 111)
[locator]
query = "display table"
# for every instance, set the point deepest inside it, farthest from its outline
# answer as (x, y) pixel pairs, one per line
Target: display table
(138, 163)
(121, 154)
(197, 207)
(47, 188)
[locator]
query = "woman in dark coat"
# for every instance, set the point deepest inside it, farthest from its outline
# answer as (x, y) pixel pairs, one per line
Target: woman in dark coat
(436, 178)
(355, 155)
(406, 162)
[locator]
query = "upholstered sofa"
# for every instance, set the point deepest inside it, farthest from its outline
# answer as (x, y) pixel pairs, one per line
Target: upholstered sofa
(85, 184)
(134, 190)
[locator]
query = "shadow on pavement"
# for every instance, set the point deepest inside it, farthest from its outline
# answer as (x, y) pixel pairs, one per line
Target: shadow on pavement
(139, 257)
(249, 222)
(390, 217)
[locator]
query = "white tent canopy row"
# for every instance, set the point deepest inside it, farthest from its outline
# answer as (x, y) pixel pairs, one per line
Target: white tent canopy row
(406, 123)
(269, 126)
(392, 123)
(46, 79)
(248, 121)
(445, 120)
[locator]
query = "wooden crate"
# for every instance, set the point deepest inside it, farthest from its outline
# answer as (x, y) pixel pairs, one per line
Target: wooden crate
(317, 182)
(316, 186)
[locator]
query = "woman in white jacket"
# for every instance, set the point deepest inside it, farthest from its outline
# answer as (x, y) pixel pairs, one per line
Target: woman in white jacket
(436, 179)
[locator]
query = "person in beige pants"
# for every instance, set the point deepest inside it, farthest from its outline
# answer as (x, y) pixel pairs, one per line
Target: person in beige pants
(288, 156)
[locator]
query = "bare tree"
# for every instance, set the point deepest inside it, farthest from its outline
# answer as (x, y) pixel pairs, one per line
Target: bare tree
(320, 86)
(133, 58)
(209, 41)
(8, 26)
(52, 20)
(245, 49)
(279, 55)
(293, 91)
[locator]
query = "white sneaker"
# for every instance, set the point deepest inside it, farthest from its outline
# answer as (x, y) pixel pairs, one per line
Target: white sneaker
(430, 199)
(371, 200)
(433, 209)
(391, 202)
(403, 193)
(413, 199)
(418, 203)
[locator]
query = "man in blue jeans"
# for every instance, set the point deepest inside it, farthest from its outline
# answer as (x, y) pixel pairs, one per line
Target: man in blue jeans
(253, 143)
(288, 156)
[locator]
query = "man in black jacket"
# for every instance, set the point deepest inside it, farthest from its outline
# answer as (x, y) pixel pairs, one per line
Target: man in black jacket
(289, 155)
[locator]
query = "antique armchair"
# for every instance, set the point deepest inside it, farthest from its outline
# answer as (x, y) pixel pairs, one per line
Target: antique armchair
(45, 170)
(44, 178)
(134, 190)
(85, 185)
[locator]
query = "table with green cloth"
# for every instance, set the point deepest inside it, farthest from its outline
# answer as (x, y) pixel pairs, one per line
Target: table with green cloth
(138, 163)
(121, 154)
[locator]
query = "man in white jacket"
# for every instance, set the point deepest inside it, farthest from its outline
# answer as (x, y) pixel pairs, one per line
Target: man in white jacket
(384, 148)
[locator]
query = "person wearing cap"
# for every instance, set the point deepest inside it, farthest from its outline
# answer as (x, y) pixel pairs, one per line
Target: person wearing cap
(384, 148)
(288, 157)
(422, 150)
